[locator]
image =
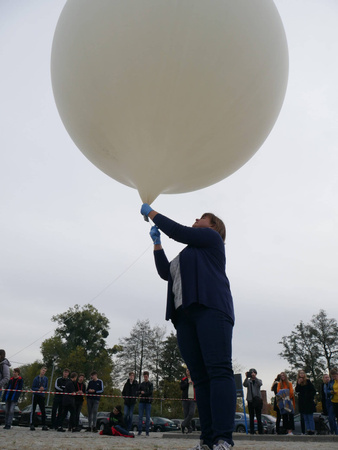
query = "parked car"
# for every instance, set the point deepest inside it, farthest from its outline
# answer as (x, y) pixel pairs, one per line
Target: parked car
(196, 424)
(270, 423)
(135, 423)
(102, 419)
(240, 423)
(321, 424)
(26, 417)
(17, 414)
(163, 424)
(178, 422)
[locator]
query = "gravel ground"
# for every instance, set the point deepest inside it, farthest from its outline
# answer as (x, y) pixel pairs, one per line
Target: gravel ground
(23, 438)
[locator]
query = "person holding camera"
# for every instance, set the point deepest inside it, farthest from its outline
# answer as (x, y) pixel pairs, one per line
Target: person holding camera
(254, 399)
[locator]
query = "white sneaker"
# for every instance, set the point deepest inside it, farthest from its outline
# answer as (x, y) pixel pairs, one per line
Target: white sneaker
(222, 445)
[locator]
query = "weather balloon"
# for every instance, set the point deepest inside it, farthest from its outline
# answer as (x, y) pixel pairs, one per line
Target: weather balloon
(169, 96)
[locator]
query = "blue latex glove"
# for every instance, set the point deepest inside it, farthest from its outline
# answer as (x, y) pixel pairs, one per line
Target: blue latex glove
(146, 209)
(155, 235)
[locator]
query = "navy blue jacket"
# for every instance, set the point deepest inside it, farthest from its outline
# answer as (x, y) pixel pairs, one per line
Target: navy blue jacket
(98, 386)
(13, 396)
(202, 265)
(37, 383)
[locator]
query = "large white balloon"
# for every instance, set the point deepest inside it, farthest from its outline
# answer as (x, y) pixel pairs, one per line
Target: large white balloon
(169, 96)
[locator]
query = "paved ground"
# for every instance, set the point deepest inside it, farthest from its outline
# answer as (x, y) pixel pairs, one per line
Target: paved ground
(23, 438)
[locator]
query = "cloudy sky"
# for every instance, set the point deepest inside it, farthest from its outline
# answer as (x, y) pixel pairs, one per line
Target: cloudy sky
(71, 235)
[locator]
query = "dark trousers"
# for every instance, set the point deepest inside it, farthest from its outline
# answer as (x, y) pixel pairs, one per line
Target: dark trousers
(71, 409)
(204, 337)
(258, 412)
(38, 400)
(278, 420)
(78, 407)
(57, 411)
(189, 407)
(288, 422)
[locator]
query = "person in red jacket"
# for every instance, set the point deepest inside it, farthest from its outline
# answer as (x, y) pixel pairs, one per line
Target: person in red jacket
(11, 397)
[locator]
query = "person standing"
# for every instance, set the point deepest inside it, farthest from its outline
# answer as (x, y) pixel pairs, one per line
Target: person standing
(4, 369)
(254, 399)
(40, 386)
(145, 392)
(80, 392)
(95, 386)
(60, 384)
(200, 306)
(334, 392)
(327, 392)
(11, 397)
(275, 406)
(289, 409)
(68, 403)
(129, 393)
(188, 401)
(306, 394)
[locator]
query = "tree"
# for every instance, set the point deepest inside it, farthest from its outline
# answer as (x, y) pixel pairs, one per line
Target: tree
(139, 350)
(172, 365)
(79, 342)
(312, 347)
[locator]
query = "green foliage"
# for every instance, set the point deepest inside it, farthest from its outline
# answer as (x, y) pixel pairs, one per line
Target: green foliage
(312, 347)
(171, 363)
(79, 343)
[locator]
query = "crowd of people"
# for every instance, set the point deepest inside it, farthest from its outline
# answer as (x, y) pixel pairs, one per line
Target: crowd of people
(284, 401)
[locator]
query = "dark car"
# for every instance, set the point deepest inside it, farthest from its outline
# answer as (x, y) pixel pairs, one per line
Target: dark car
(17, 414)
(102, 419)
(135, 423)
(26, 417)
(178, 422)
(163, 424)
(196, 424)
(270, 423)
(321, 424)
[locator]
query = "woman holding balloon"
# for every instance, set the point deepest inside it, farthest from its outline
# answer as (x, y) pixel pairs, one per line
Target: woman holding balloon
(199, 303)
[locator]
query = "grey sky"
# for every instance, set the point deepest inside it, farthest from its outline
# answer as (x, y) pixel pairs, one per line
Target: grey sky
(68, 231)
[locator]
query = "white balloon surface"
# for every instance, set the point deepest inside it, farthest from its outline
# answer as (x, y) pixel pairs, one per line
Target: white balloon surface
(169, 96)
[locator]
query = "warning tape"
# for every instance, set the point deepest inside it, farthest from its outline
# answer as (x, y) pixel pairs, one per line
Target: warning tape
(74, 394)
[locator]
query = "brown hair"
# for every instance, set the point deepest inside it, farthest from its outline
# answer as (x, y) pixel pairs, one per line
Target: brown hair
(17, 370)
(73, 375)
(146, 373)
(333, 371)
(304, 380)
(217, 224)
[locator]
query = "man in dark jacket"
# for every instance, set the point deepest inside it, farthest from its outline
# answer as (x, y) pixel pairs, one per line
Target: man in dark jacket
(95, 386)
(68, 403)
(4, 369)
(129, 393)
(11, 397)
(188, 401)
(39, 386)
(145, 392)
(80, 391)
(60, 384)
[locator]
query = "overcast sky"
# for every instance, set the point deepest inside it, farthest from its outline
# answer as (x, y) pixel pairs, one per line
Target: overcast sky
(67, 231)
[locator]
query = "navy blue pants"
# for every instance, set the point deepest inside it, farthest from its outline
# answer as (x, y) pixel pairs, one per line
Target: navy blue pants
(204, 337)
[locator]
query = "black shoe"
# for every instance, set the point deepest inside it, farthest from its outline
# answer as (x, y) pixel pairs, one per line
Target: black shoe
(32, 428)
(94, 430)
(189, 430)
(7, 427)
(61, 430)
(45, 428)
(88, 429)
(183, 429)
